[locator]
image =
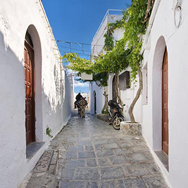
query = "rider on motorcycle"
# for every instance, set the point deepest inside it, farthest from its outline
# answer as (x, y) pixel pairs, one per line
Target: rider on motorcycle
(78, 97)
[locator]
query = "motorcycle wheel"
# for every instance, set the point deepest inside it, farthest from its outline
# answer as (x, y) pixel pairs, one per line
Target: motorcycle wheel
(116, 122)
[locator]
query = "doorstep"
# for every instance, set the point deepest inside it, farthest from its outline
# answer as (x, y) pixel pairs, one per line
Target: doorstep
(163, 157)
(32, 148)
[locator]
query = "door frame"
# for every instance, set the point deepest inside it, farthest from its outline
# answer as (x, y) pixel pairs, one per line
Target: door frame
(27, 45)
(156, 97)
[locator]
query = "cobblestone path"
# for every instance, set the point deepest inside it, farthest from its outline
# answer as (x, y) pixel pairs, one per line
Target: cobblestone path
(89, 153)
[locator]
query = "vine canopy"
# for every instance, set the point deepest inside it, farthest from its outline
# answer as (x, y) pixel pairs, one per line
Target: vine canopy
(123, 53)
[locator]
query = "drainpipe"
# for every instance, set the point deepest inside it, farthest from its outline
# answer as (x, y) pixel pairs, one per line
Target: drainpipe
(152, 18)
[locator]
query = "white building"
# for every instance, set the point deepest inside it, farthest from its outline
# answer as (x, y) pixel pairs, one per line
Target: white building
(162, 108)
(35, 92)
(127, 91)
(96, 92)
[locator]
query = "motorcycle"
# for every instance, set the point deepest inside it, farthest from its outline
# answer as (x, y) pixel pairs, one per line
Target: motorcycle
(82, 103)
(115, 114)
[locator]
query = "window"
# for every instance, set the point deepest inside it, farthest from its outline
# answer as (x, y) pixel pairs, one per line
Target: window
(124, 81)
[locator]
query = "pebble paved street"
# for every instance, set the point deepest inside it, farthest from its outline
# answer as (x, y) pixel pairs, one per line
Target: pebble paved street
(89, 153)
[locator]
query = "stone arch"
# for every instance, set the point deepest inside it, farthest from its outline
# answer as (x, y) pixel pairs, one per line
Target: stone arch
(157, 93)
(32, 31)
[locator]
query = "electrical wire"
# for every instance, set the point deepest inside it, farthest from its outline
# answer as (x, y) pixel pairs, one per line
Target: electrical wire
(81, 45)
(60, 41)
(73, 48)
(75, 52)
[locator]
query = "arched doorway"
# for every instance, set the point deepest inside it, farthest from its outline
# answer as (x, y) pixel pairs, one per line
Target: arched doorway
(33, 79)
(165, 103)
(29, 89)
(95, 102)
(160, 97)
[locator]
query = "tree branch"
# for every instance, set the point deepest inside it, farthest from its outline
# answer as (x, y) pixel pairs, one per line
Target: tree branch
(147, 11)
(136, 97)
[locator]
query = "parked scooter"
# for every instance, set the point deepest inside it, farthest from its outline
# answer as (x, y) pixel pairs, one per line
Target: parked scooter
(115, 114)
(81, 104)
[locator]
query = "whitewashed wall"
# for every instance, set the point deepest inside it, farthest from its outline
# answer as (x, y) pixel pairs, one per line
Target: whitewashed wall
(53, 90)
(97, 48)
(165, 33)
(127, 97)
(98, 40)
(99, 98)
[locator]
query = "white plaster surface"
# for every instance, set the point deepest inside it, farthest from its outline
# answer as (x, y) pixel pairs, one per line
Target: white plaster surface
(126, 95)
(97, 48)
(53, 89)
(99, 96)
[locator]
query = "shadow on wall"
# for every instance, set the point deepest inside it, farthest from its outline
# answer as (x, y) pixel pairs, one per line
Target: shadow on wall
(57, 115)
(12, 95)
(12, 117)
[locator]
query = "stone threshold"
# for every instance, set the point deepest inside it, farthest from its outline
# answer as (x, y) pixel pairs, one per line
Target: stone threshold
(32, 148)
(163, 157)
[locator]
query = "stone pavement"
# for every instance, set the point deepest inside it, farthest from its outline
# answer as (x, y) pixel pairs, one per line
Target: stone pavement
(89, 153)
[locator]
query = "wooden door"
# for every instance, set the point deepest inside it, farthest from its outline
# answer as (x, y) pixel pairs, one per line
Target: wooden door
(165, 103)
(29, 93)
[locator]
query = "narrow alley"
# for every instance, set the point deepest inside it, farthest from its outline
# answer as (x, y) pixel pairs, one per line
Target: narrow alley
(124, 62)
(90, 153)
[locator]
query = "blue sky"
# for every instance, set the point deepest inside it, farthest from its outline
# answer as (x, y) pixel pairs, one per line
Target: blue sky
(77, 21)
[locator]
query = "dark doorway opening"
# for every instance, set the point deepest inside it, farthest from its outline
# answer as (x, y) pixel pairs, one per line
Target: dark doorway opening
(114, 89)
(95, 102)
